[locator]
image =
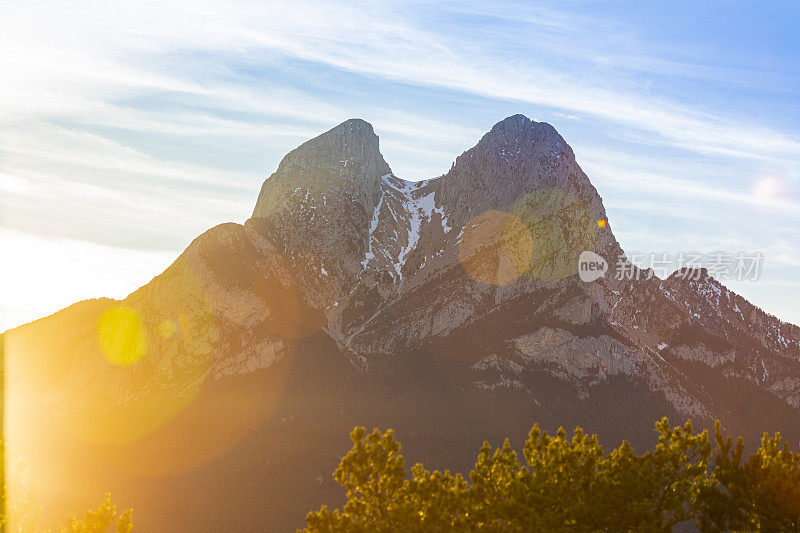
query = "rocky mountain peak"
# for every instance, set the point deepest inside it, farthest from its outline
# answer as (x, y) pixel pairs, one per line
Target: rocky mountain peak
(519, 160)
(517, 126)
(344, 148)
(453, 305)
(518, 137)
(346, 158)
(322, 196)
(336, 196)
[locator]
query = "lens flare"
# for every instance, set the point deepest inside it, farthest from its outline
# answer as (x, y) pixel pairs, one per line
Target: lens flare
(602, 223)
(159, 359)
(562, 227)
(496, 248)
(766, 189)
(121, 335)
(166, 328)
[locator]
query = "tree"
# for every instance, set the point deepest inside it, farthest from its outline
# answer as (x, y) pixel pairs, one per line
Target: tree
(673, 473)
(761, 493)
(103, 519)
(571, 484)
(100, 519)
(373, 474)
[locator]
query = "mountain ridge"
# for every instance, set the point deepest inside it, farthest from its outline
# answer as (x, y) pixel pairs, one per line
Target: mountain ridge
(361, 294)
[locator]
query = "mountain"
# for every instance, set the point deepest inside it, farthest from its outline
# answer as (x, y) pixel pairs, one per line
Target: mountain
(219, 396)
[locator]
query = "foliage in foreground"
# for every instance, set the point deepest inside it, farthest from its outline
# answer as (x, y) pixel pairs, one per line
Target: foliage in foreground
(100, 520)
(571, 484)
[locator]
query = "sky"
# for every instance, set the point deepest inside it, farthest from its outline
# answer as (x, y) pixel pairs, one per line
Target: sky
(129, 128)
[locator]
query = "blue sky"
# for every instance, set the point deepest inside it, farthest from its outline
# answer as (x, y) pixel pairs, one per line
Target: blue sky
(129, 128)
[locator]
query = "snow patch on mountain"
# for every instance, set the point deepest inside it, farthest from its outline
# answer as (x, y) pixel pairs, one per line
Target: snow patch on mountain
(419, 210)
(415, 209)
(372, 227)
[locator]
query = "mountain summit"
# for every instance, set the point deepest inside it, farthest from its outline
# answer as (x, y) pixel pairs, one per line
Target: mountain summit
(346, 158)
(450, 309)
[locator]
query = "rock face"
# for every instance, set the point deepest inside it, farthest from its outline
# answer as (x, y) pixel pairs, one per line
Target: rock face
(450, 309)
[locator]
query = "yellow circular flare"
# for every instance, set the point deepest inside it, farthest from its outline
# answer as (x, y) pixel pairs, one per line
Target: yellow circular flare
(166, 328)
(561, 225)
(496, 248)
(121, 335)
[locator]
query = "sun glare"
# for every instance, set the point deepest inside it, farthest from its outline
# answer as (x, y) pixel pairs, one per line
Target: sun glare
(121, 335)
(765, 188)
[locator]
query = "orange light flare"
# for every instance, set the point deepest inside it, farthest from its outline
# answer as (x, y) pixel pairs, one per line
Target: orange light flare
(135, 387)
(546, 213)
(602, 223)
(142, 373)
(496, 248)
(224, 412)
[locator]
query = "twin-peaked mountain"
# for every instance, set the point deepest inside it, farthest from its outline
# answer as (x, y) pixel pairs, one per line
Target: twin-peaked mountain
(219, 396)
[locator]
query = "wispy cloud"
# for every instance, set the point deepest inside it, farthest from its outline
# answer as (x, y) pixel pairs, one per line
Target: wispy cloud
(141, 124)
(386, 42)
